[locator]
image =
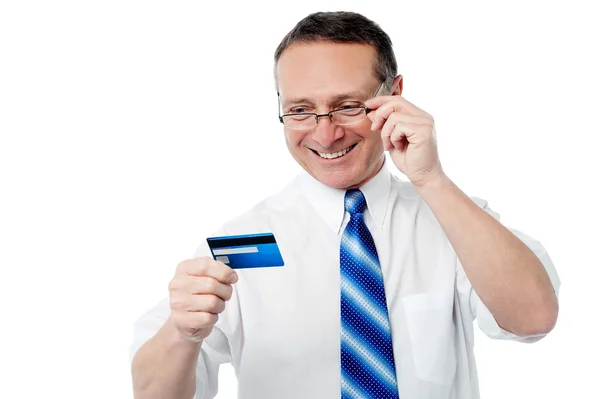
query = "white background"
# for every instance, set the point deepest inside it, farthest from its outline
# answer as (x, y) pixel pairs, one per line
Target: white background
(132, 129)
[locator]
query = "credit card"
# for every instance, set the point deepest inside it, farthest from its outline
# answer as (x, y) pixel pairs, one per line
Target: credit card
(246, 251)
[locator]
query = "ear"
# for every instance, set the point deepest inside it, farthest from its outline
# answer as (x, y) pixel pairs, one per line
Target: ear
(397, 86)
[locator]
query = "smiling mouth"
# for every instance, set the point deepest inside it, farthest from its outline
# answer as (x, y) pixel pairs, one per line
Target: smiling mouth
(334, 155)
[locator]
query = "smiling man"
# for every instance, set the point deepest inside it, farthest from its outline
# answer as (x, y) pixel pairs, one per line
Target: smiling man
(341, 152)
(383, 277)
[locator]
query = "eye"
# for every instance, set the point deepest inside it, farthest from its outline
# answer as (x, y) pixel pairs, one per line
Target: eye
(298, 110)
(347, 106)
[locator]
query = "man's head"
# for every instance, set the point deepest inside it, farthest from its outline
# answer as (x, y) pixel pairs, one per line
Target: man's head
(331, 61)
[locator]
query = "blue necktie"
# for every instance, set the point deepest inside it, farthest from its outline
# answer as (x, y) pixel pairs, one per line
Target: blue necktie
(368, 368)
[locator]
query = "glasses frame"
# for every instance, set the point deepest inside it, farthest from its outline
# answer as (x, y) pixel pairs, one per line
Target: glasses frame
(329, 114)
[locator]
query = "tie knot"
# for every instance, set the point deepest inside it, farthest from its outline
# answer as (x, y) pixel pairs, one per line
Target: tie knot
(355, 202)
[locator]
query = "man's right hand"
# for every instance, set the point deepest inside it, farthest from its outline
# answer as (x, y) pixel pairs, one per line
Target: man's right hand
(198, 293)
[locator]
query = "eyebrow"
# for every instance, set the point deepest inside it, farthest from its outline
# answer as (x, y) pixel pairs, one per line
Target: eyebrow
(336, 99)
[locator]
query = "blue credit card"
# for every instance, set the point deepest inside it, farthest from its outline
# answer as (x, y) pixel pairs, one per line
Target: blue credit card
(246, 251)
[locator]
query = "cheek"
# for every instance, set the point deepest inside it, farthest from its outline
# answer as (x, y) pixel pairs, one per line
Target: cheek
(377, 142)
(364, 130)
(290, 138)
(373, 147)
(293, 139)
(371, 139)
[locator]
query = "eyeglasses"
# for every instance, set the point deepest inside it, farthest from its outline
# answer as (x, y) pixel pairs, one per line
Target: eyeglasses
(345, 116)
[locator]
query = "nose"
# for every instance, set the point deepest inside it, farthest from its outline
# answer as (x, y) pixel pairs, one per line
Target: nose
(326, 133)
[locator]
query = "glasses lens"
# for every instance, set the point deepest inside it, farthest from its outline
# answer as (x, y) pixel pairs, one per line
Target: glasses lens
(350, 116)
(342, 117)
(299, 122)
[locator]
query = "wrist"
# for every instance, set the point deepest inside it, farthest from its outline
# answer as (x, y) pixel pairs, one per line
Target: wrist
(177, 339)
(436, 181)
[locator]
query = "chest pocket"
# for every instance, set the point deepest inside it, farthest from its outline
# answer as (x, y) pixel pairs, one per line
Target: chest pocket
(432, 332)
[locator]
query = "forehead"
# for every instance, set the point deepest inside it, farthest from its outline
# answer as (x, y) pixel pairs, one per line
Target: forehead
(325, 69)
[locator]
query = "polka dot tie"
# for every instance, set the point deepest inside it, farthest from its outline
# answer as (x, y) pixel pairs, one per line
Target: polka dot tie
(368, 368)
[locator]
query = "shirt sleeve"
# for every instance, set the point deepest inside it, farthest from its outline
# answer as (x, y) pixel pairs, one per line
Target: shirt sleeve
(215, 349)
(485, 320)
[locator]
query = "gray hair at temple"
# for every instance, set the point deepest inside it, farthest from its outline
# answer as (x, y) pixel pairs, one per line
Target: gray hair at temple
(344, 27)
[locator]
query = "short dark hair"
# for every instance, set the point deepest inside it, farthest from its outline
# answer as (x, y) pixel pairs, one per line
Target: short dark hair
(345, 27)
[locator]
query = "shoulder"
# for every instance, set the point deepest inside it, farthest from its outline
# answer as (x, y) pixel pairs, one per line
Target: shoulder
(406, 193)
(403, 188)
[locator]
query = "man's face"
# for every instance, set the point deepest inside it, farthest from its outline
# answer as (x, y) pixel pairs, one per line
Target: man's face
(321, 77)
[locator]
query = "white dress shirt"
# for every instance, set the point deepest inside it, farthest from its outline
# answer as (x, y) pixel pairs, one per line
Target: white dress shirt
(281, 328)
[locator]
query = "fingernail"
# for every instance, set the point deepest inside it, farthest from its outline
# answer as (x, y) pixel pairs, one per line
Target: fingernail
(233, 278)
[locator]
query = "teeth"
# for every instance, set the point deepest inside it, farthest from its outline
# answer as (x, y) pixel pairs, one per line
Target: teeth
(334, 154)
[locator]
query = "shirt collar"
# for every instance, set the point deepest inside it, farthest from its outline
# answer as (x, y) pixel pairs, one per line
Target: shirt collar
(329, 202)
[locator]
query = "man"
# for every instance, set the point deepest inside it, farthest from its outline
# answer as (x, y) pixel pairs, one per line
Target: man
(382, 277)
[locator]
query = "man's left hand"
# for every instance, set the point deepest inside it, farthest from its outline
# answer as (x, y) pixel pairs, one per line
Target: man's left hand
(408, 133)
